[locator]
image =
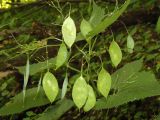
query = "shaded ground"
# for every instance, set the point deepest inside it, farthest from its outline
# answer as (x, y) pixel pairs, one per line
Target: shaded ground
(37, 23)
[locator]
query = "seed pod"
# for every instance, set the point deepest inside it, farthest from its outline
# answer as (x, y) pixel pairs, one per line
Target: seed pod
(64, 86)
(62, 56)
(50, 86)
(115, 53)
(80, 92)
(69, 31)
(91, 100)
(85, 27)
(130, 44)
(104, 82)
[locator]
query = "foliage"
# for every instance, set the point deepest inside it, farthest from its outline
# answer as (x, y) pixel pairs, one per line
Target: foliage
(108, 20)
(132, 86)
(83, 67)
(56, 111)
(38, 67)
(32, 99)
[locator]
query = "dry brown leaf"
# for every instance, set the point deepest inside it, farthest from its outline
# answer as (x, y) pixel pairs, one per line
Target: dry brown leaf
(5, 74)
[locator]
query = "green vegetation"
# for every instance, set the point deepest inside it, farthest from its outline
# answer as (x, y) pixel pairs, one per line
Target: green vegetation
(79, 60)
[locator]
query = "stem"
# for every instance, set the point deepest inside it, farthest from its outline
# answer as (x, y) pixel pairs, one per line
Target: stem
(74, 69)
(124, 26)
(47, 57)
(88, 71)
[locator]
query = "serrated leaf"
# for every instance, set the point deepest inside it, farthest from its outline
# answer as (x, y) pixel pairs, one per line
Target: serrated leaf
(130, 44)
(69, 31)
(127, 71)
(108, 20)
(64, 86)
(50, 86)
(16, 105)
(115, 53)
(80, 92)
(56, 111)
(62, 56)
(97, 15)
(91, 99)
(130, 85)
(104, 82)
(38, 67)
(85, 27)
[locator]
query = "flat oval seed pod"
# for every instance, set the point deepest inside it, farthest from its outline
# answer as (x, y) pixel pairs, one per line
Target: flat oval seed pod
(80, 92)
(85, 27)
(69, 31)
(91, 100)
(50, 86)
(115, 53)
(130, 44)
(104, 82)
(62, 56)
(64, 86)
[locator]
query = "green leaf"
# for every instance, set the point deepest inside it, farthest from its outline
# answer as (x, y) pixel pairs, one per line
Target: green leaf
(85, 27)
(80, 92)
(62, 56)
(16, 105)
(126, 71)
(104, 82)
(50, 86)
(38, 67)
(108, 20)
(64, 87)
(115, 53)
(130, 85)
(69, 31)
(97, 15)
(91, 99)
(130, 44)
(56, 111)
(79, 37)
(158, 25)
